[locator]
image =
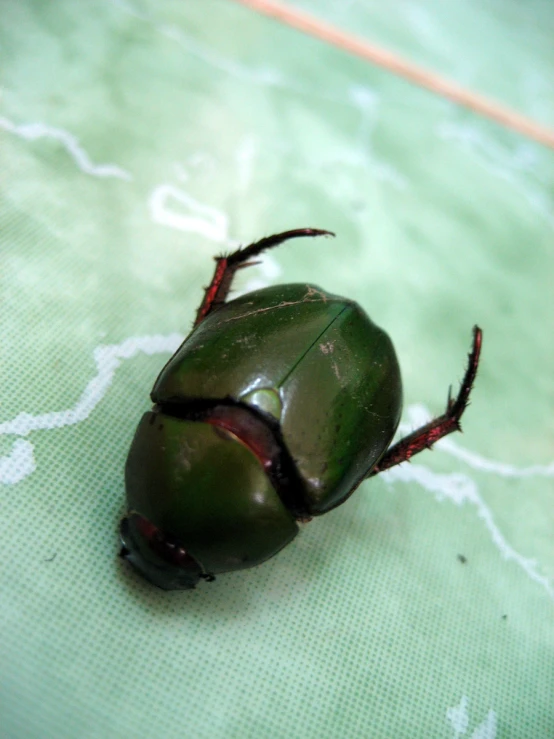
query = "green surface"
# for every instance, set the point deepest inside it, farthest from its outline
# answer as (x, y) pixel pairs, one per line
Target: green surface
(137, 141)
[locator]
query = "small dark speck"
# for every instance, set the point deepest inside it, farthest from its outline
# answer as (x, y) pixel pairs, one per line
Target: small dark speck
(52, 558)
(462, 558)
(160, 427)
(504, 616)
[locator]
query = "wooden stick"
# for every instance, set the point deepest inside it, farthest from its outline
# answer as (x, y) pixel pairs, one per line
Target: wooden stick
(403, 68)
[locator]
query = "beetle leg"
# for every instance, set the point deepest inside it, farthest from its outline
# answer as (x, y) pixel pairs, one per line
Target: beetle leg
(426, 436)
(226, 266)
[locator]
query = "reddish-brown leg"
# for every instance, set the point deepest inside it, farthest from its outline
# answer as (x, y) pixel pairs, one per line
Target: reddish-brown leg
(426, 436)
(226, 266)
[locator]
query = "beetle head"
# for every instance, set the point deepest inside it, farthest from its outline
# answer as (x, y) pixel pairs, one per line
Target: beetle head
(157, 555)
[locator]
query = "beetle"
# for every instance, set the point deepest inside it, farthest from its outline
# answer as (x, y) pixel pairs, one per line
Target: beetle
(274, 409)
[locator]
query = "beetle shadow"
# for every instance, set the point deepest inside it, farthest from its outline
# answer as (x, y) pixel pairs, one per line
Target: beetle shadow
(309, 558)
(233, 594)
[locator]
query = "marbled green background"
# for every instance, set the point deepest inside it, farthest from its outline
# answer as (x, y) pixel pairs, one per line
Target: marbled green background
(139, 139)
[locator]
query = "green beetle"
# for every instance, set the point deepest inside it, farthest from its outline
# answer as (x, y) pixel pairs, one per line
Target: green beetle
(273, 410)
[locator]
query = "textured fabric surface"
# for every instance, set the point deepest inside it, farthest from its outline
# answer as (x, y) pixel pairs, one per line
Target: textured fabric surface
(139, 139)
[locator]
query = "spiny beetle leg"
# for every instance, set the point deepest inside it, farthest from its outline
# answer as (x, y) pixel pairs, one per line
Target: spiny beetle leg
(226, 266)
(426, 436)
